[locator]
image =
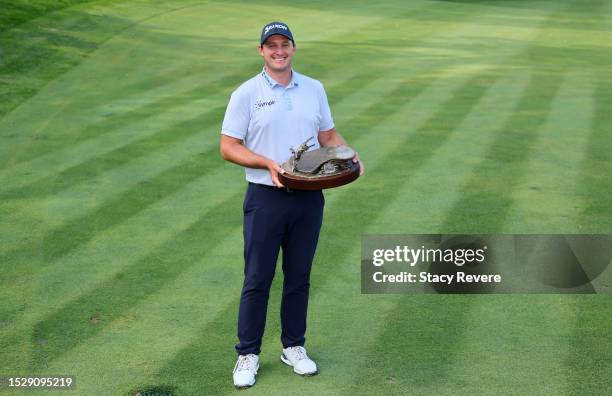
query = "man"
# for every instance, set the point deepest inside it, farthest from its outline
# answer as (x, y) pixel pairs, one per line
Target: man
(266, 116)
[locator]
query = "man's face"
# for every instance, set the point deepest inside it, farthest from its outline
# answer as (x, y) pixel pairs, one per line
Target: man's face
(277, 52)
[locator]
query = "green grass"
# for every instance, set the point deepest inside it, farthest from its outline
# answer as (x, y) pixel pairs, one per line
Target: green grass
(121, 226)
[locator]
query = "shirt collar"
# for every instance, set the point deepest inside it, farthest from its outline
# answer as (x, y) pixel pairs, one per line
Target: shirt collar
(272, 82)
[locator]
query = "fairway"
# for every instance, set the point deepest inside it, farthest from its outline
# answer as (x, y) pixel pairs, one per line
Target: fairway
(121, 226)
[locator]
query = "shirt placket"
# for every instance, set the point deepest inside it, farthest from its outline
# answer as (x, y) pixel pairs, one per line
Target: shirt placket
(286, 99)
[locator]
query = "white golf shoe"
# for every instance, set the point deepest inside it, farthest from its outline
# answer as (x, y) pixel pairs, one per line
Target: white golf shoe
(299, 360)
(245, 370)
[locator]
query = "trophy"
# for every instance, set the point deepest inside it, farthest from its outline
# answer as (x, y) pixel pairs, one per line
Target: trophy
(325, 167)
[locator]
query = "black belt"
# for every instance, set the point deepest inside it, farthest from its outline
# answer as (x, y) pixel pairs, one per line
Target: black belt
(270, 187)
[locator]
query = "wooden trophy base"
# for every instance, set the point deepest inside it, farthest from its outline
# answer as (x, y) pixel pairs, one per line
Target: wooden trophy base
(297, 182)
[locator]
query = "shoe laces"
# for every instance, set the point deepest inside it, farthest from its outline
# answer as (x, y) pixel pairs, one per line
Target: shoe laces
(299, 352)
(245, 362)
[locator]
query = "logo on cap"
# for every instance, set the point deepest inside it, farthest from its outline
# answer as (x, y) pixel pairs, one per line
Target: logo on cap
(272, 26)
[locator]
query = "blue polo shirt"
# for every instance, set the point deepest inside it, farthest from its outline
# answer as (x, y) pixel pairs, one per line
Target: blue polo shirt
(271, 118)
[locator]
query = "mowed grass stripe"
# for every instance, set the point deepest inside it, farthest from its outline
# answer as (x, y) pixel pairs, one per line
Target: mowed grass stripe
(506, 339)
(83, 188)
(69, 326)
(588, 362)
(353, 110)
(127, 240)
(595, 183)
(189, 83)
(63, 31)
(75, 232)
(501, 168)
(552, 171)
(595, 180)
(59, 39)
(74, 207)
(90, 172)
(487, 195)
(152, 329)
(82, 142)
(478, 130)
(424, 209)
(89, 125)
(58, 161)
(115, 252)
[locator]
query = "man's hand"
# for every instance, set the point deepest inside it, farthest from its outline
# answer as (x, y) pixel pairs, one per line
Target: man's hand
(332, 138)
(274, 170)
(361, 167)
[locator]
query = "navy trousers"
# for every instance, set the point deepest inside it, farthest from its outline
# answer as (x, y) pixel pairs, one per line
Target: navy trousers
(275, 219)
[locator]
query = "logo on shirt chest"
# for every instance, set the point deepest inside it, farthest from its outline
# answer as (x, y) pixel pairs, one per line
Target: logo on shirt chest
(263, 103)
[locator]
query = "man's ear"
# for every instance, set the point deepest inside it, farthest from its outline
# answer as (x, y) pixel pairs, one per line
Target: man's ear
(260, 49)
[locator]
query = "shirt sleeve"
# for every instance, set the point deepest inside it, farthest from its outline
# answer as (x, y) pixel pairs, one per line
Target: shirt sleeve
(327, 122)
(237, 115)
